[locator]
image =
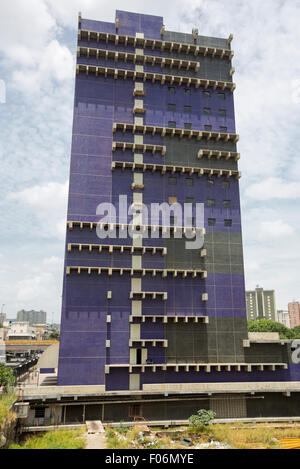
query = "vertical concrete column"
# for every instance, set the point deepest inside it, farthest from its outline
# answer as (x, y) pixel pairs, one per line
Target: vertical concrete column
(138, 181)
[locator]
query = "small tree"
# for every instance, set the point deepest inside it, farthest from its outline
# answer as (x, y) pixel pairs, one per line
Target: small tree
(7, 378)
(202, 419)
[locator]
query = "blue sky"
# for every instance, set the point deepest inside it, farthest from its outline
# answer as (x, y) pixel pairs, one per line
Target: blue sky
(37, 56)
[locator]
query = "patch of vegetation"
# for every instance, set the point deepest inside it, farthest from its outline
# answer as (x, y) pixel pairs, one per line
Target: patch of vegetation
(266, 325)
(202, 419)
(7, 378)
(65, 439)
(6, 412)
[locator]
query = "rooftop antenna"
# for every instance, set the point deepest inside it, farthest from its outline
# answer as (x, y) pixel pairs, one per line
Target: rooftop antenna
(195, 33)
(79, 18)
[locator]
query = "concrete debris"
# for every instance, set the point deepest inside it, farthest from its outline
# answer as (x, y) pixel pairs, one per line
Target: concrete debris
(213, 445)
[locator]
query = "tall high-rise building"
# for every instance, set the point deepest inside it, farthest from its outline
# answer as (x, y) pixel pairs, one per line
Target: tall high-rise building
(294, 311)
(261, 304)
(154, 123)
(284, 318)
(32, 317)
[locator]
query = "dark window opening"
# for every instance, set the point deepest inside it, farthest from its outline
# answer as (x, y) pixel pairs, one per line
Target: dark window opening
(172, 181)
(188, 91)
(187, 109)
(189, 200)
(222, 95)
(187, 126)
(189, 182)
(171, 90)
(206, 94)
(207, 128)
(212, 222)
(171, 107)
(210, 182)
(207, 111)
(225, 184)
(228, 223)
(135, 411)
(223, 129)
(139, 356)
(172, 124)
(39, 413)
(227, 203)
(222, 112)
(211, 202)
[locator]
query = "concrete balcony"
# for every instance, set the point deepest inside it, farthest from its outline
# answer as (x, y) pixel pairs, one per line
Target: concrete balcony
(118, 73)
(139, 147)
(153, 295)
(111, 248)
(166, 319)
(164, 169)
(137, 58)
(169, 46)
(123, 270)
(148, 342)
(218, 155)
(201, 367)
(175, 132)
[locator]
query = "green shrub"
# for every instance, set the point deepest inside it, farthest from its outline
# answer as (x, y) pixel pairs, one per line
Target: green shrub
(202, 419)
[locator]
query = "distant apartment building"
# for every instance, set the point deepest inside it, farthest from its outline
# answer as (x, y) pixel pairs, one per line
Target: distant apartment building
(294, 312)
(21, 331)
(2, 318)
(261, 304)
(33, 317)
(284, 318)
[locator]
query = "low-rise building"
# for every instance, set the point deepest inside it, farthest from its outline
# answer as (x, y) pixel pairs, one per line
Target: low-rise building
(21, 331)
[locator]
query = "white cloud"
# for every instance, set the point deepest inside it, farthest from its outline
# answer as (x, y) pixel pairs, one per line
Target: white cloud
(273, 188)
(276, 229)
(48, 203)
(33, 288)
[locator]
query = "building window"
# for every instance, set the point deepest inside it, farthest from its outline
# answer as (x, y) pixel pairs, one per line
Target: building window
(210, 182)
(222, 112)
(187, 109)
(225, 185)
(228, 223)
(172, 181)
(227, 203)
(171, 107)
(189, 200)
(39, 413)
(208, 128)
(207, 111)
(171, 90)
(211, 202)
(222, 95)
(188, 91)
(189, 182)
(172, 124)
(212, 222)
(207, 94)
(223, 129)
(187, 126)
(135, 411)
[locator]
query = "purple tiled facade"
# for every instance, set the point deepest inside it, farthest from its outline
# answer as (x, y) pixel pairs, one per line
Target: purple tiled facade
(97, 330)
